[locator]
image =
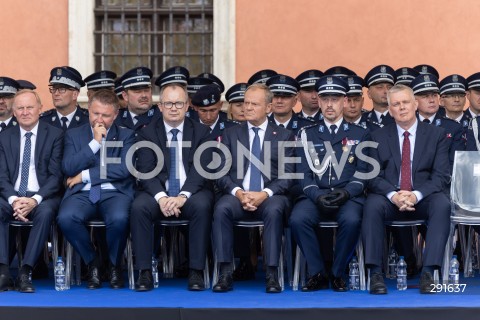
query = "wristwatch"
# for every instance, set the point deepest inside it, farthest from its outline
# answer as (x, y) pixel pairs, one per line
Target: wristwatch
(182, 195)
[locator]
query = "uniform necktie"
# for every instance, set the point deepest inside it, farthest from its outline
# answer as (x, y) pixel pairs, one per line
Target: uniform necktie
(426, 120)
(2, 126)
(27, 152)
(64, 123)
(255, 175)
(382, 117)
(281, 125)
(406, 170)
(332, 130)
(173, 179)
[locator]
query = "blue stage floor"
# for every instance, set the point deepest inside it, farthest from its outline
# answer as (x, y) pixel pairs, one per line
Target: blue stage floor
(172, 293)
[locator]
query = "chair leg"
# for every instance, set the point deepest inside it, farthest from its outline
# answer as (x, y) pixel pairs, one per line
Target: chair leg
(361, 263)
(68, 267)
(206, 274)
(281, 275)
(131, 279)
(288, 254)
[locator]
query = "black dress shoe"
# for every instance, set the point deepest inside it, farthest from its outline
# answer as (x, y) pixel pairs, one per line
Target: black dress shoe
(24, 284)
(6, 282)
(224, 284)
(244, 271)
(145, 281)
(116, 279)
(315, 283)
(377, 285)
(195, 280)
(272, 283)
(93, 278)
(338, 284)
(426, 283)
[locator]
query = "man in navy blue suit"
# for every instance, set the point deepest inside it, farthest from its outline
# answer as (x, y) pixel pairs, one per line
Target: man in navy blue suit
(414, 171)
(329, 197)
(249, 192)
(96, 187)
(30, 183)
(177, 190)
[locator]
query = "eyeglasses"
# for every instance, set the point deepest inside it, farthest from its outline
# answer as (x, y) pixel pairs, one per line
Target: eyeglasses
(454, 96)
(169, 104)
(60, 90)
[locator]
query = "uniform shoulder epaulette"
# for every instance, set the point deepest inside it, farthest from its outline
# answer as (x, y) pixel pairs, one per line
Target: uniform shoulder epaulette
(364, 110)
(308, 127)
(306, 119)
(233, 121)
(448, 119)
(47, 113)
(378, 124)
(83, 111)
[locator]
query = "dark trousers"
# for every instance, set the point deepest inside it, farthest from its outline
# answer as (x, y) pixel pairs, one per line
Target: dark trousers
(113, 208)
(304, 224)
(435, 209)
(145, 211)
(42, 217)
(229, 209)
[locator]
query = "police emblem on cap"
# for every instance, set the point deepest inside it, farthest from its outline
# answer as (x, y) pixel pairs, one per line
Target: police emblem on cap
(426, 77)
(213, 99)
(103, 75)
(329, 80)
(59, 72)
(338, 70)
(455, 78)
(177, 70)
(311, 74)
(243, 87)
(424, 69)
(282, 79)
(1, 82)
(264, 74)
(383, 69)
(139, 72)
(350, 80)
(404, 71)
(205, 102)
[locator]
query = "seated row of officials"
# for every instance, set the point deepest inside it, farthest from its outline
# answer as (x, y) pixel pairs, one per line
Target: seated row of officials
(37, 159)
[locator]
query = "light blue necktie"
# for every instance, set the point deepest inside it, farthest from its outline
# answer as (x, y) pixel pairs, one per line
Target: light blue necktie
(255, 175)
(27, 152)
(173, 180)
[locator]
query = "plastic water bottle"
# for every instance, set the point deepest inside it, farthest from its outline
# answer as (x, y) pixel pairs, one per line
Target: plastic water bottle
(354, 275)
(60, 276)
(155, 272)
(392, 264)
(454, 273)
(401, 274)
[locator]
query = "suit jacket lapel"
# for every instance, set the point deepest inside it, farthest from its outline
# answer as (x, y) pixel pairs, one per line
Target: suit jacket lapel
(395, 147)
(161, 138)
(15, 147)
(420, 145)
(187, 136)
(41, 136)
(243, 138)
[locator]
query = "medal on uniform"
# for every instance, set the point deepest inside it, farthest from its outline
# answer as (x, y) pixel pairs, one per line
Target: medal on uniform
(350, 159)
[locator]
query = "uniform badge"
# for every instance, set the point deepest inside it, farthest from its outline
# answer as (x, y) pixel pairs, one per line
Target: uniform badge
(383, 69)
(125, 113)
(455, 78)
(345, 127)
(222, 125)
(438, 122)
(59, 72)
(350, 159)
(465, 123)
(14, 123)
(329, 80)
(53, 118)
(424, 69)
(294, 125)
(426, 78)
(321, 128)
(151, 112)
(320, 116)
(77, 118)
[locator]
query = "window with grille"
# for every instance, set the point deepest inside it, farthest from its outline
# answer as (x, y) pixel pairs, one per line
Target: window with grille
(154, 33)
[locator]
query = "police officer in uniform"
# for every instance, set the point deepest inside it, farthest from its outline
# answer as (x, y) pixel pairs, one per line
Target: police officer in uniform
(308, 95)
(261, 76)
(104, 79)
(339, 71)
(405, 75)
(235, 96)
(25, 84)
(285, 96)
(8, 89)
(65, 84)
(330, 195)
(473, 94)
(353, 108)
(453, 99)
(378, 81)
(137, 92)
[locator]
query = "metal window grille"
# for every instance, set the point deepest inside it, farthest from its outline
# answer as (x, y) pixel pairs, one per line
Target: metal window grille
(154, 33)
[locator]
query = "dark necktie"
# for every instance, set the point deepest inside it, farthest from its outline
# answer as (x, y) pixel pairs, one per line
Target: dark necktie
(96, 190)
(426, 120)
(255, 175)
(332, 130)
(406, 170)
(281, 125)
(27, 152)
(173, 179)
(2, 126)
(382, 117)
(64, 123)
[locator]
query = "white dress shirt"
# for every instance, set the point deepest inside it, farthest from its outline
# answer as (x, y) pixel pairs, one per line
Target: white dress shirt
(68, 116)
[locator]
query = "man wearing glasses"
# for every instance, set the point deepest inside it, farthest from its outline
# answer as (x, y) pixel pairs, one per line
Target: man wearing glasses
(177, 191)
(453, 98)
(8, 88)
(65, 84)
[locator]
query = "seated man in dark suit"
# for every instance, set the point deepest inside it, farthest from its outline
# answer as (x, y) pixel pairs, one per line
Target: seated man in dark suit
(414, 171)
(30, 183)
(98, 188)
(249, 192)
(177, 190)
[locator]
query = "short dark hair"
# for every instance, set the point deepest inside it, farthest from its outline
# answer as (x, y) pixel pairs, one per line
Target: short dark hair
(105, 96)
